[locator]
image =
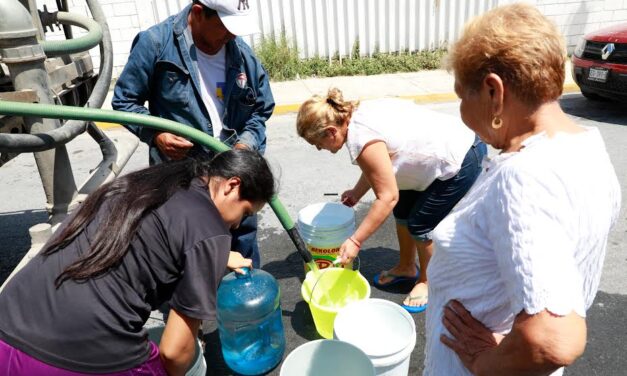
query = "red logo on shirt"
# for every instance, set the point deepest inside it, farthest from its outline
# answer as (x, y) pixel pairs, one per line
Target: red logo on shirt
(241, 80)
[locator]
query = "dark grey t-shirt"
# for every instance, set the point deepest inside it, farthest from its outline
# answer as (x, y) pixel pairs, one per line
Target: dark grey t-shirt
(179, 254)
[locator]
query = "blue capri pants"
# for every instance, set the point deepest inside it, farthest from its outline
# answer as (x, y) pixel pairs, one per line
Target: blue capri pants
(422, 211)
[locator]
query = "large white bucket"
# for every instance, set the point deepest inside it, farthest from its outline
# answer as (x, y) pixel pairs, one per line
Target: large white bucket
(325, 357)
(382, 329)
(199, 365)
(324, 227)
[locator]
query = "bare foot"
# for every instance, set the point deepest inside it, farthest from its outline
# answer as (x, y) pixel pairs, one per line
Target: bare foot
(388, 276)
(418, 296)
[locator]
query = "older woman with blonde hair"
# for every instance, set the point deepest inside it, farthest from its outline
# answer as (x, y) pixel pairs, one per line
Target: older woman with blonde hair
(418, 162)
(518, 261)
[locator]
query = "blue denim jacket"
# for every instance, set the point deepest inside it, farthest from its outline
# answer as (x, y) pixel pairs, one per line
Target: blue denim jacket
(161, 69)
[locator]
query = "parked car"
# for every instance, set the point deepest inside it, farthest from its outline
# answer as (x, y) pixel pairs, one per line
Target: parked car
(600, 63)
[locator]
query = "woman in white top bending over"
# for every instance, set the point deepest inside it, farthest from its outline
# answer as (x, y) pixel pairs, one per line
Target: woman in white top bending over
(418, 162)
(517, 263)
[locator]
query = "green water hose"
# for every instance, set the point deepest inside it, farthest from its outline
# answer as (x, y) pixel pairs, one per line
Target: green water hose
(71, 46)
(164, 125)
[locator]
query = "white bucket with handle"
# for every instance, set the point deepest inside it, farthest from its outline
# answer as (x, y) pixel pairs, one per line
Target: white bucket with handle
(381, 329)
(324, 227)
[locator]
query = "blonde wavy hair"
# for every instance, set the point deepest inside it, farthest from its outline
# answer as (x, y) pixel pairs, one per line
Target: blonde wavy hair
(517, 43)
(318, 112)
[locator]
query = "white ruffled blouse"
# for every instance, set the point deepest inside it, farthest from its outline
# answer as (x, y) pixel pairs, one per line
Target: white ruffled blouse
(530, 235)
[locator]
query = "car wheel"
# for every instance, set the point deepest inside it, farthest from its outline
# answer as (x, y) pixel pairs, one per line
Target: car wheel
(592, 96)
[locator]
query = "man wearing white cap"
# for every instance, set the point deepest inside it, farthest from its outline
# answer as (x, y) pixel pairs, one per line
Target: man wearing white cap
(194, 69)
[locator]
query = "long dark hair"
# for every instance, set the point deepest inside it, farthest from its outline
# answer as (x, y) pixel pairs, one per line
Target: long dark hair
(130, 197)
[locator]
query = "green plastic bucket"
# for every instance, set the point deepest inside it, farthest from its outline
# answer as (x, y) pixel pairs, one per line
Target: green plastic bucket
(328, 291)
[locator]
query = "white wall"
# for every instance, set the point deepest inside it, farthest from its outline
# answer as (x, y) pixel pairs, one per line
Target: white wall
(329, 27)
(123, 18)
(326, 27)
(576, 18)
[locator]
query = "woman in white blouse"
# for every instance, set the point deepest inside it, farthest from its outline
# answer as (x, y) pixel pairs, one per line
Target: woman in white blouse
(418, 162)
(517, 263)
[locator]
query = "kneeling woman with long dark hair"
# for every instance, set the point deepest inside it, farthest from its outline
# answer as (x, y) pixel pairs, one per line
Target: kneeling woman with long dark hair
(156, 235)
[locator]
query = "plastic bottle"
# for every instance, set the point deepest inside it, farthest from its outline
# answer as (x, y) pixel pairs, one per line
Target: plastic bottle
(249, 322)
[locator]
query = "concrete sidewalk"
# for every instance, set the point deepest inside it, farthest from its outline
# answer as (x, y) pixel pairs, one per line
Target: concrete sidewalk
(423, 87)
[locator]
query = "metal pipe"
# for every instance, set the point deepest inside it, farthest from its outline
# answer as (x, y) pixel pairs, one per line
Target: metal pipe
(25, 61)
(31, 6)
(29, 143)
(106, 145)
(101, 88)
(62, 6)
(25, 143)
(112, 159)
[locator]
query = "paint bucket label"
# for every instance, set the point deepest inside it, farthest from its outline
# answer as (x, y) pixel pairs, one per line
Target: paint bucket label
(324, 227)
(324, 257)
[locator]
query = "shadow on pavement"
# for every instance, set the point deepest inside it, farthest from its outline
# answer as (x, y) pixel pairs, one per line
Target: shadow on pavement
(597, 110)
(13, 226)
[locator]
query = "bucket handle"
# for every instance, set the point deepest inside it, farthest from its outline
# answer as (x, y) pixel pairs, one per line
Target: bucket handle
(356, 265)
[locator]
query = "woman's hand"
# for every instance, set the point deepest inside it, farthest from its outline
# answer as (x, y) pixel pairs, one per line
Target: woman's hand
(237, 261)
(537, 344)
(350, 198)
(348, 251)
(470, 336)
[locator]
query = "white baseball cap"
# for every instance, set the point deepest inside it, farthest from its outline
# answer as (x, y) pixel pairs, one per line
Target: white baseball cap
(237, 15)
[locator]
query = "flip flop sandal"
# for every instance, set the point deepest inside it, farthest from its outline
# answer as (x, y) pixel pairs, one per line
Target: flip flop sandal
(396, 279)
(415, 309)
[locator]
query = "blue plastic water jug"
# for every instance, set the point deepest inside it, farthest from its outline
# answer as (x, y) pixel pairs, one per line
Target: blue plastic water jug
(249, 322)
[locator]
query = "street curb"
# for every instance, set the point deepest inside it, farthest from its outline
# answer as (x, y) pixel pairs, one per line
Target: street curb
(105, 126)
(288, 108)
(282, 109)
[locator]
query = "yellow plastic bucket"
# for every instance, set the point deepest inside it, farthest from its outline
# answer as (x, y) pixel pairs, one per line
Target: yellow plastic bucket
(328, 291)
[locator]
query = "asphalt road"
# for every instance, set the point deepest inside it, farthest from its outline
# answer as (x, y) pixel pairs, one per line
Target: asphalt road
(305, 175)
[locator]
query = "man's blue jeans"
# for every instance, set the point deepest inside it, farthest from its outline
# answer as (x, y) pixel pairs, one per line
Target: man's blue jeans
(245, 240)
